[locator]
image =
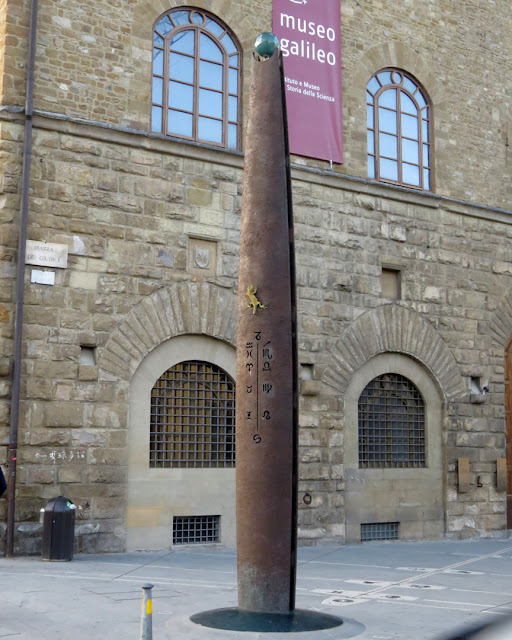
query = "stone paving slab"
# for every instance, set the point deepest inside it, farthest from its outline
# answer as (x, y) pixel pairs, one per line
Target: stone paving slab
(383, 591)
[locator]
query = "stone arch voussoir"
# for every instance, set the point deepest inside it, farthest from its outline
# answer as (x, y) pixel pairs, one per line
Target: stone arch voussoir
(231, 13)
(183, 308)
(392, 328)
(400, 56)
(500, 328)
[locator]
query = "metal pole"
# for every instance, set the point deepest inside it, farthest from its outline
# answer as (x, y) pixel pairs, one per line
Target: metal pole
(295, 354)
(20, 290)
(146, 620)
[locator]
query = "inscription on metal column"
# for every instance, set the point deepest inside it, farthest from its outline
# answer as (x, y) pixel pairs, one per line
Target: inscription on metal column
(258, 416)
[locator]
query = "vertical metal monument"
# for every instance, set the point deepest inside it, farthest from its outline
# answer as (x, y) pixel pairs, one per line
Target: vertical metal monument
(266, 401)
(266, 380)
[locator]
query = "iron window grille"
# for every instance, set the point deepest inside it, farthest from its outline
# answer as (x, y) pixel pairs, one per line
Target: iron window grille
(192, 421)
(399, 130)
(195, 529)
(391, 424)
(374, 531)
(196, 80)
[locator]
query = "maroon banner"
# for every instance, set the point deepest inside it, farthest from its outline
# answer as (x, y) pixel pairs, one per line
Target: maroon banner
(309, 33)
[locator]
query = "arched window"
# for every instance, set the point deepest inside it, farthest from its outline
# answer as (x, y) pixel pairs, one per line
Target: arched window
(399, 124)
(196, 79)
(391, 422)
(193, 417)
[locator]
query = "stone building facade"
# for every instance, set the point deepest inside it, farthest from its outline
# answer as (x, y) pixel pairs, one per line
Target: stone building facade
(416, 283)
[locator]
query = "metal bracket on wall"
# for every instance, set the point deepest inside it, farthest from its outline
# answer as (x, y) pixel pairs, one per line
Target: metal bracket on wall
(501, 474)
(463, 474)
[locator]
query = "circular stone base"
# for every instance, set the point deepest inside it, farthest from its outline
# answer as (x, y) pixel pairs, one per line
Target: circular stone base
(237, 620)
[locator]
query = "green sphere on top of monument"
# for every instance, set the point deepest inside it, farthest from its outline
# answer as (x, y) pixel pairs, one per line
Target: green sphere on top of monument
(266, 44)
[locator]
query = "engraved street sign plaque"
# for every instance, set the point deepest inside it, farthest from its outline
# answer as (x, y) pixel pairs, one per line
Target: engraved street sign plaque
(47, 254)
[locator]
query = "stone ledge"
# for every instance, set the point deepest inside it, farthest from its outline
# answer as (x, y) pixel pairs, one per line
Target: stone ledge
(158, 143)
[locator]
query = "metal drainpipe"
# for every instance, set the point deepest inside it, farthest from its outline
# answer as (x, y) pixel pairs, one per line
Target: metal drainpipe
(20, 290)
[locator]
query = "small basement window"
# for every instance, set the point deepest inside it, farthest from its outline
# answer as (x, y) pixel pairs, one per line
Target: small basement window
(379, 531)
(195, 529)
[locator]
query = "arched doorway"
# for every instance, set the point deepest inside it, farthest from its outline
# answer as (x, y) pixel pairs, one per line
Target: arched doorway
(393, 452)
(181, 476)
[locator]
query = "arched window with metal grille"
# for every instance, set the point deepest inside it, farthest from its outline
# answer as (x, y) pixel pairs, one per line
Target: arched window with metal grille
(192, 417)
(196, 78)
(399, 130)
(391, 422)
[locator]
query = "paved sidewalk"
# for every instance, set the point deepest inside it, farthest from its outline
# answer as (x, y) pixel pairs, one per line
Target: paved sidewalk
(383, 591)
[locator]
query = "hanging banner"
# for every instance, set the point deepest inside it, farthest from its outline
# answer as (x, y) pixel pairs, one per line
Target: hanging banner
(310, 35)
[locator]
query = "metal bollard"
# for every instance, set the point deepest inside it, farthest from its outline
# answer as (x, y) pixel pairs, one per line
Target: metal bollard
(146, 621)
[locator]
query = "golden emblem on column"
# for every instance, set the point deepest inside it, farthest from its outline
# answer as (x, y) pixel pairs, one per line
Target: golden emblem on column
(254, 302)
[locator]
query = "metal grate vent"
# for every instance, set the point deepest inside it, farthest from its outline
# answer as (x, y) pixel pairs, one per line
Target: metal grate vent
(193, 417)
(195, 529)
(391, 417)
(379, 531)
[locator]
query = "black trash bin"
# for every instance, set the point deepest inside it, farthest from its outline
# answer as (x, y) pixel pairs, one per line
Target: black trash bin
(58, 529)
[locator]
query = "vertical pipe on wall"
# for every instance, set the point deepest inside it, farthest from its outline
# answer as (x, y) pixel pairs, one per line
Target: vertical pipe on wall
(18, 323)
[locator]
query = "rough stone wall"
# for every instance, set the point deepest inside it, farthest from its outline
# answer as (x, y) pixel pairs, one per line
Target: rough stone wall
(455, 271)
(128, 215)
(3, 22)
(14, 34)
(10, 171)
(94, 61)
(458, 52)
(130, 206)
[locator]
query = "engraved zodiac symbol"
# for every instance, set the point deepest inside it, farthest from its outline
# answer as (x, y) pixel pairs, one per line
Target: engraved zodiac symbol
(255, 303)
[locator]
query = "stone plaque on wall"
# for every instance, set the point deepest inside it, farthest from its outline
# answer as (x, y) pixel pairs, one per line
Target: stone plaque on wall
(47, 254)
(202, 257)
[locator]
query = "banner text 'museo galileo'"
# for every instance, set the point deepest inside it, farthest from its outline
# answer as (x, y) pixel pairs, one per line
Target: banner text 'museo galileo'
(307, 40)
